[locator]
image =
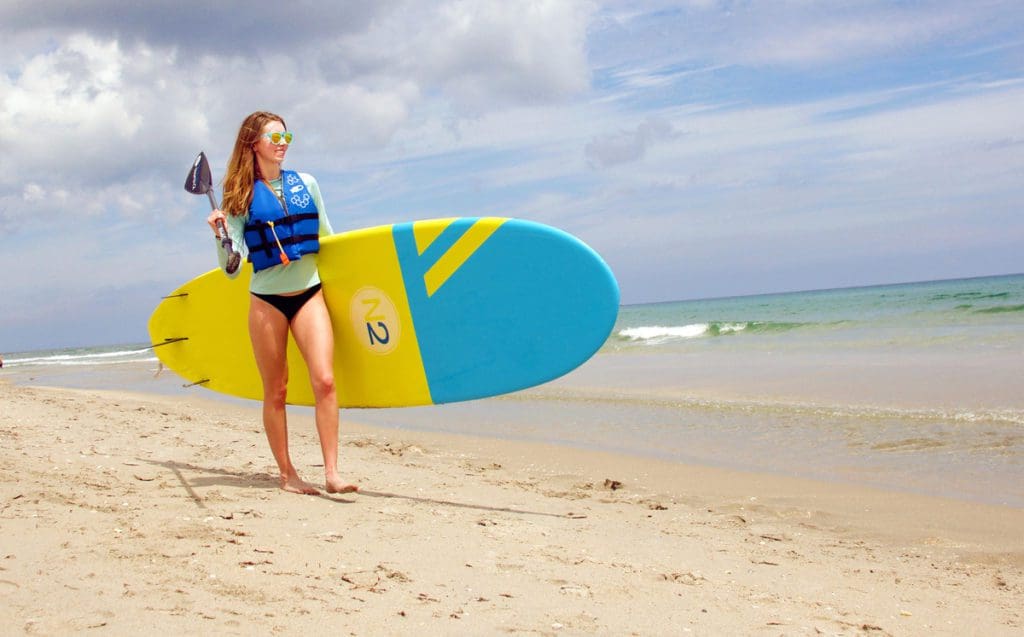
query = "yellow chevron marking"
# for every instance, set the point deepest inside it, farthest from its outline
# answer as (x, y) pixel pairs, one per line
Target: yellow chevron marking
(464, 248)
(426, 232)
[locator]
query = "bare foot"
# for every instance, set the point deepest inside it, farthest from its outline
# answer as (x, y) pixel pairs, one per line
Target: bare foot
(337, 485)
(295, 484)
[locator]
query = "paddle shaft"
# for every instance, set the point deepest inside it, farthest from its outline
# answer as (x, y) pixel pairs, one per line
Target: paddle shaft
(200, 181)
(233, 260)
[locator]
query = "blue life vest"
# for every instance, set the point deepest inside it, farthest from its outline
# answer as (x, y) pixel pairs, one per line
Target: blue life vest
(295, 219)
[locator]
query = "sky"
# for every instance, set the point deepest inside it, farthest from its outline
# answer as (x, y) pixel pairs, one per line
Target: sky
(704, 148)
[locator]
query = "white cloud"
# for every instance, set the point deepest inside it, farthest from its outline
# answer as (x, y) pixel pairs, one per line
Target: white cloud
(526, 52)
(629, 145)
(353, 116)
(124, 102)
(827, 35)
(33, 192)
(788, 33)
(72, 96)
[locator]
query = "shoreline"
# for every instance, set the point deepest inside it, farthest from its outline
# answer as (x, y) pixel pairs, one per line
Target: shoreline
(123, 509)
(941, 425)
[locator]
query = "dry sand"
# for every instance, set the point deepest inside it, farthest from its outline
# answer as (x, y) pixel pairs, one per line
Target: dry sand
(125, 513)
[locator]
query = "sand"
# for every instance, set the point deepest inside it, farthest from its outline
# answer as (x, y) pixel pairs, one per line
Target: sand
(124, 513)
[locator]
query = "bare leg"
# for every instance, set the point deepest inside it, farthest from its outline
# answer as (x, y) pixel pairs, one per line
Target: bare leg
(268, 330)
(315, 338)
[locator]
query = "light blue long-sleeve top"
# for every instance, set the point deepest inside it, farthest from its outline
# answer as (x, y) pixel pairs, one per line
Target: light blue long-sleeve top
(279, 279)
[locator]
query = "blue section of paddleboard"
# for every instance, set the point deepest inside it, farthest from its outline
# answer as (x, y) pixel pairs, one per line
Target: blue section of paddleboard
(531, 304)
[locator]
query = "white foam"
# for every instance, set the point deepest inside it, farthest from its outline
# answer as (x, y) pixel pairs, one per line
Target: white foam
(725, 328)
(660, 333)
(85, 358)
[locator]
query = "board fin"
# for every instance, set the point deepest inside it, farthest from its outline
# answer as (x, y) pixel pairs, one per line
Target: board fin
(168, 341)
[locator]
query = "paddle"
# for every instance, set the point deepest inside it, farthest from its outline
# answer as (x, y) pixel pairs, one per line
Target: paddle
(200, 182)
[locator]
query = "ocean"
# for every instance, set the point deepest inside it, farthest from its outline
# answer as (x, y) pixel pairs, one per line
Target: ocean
(916, 387)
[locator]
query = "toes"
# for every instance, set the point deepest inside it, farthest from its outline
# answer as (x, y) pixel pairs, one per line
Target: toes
(348, 488)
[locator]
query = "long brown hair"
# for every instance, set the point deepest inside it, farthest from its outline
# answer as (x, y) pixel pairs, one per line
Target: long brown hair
(241, 175)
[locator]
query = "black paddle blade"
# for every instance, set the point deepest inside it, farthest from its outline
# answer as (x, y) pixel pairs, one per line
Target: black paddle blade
(199, 180)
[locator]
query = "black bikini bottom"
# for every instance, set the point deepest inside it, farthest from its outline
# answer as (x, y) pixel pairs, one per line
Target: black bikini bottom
(289, 305)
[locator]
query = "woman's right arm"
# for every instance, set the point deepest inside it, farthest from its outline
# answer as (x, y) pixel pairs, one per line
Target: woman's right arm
(235, 226)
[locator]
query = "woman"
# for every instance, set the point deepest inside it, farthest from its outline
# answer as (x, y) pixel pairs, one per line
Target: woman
(278, 215)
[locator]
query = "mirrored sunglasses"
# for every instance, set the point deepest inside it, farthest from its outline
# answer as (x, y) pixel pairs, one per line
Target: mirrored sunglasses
(279, 137)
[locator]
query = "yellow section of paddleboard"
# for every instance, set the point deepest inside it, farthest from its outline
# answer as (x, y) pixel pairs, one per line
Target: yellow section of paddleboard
(457, 255)
(377, 357)
(425, 232)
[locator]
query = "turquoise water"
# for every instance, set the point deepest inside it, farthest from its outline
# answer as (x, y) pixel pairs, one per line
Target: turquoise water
(980, 311)
(916, 387)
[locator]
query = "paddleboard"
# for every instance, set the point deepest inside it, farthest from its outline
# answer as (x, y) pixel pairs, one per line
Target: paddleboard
(428, 312)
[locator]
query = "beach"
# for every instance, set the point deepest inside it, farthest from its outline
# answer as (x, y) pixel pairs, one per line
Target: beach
(846, 462)
(125, 512)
